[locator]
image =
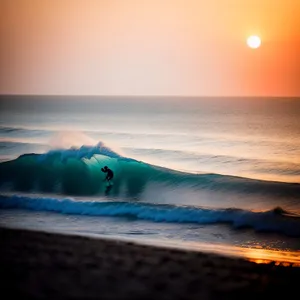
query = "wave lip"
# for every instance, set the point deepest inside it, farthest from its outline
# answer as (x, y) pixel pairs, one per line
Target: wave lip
(276, 220)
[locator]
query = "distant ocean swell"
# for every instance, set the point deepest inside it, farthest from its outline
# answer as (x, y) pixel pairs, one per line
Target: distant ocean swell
(77, 171)
(276, 220)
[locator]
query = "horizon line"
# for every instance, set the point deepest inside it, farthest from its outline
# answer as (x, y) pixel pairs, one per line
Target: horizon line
(150, 96)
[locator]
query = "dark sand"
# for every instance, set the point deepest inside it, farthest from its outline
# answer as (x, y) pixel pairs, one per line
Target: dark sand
(54, 266)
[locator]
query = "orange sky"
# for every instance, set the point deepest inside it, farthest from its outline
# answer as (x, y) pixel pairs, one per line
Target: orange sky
(149, 47)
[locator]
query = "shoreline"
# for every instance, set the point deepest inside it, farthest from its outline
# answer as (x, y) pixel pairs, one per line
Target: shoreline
(39, 264)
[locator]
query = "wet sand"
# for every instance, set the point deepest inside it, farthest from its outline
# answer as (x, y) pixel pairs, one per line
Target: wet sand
(55, 266)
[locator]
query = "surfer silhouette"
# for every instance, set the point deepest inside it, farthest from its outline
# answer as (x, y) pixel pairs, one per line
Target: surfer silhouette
(110, 174)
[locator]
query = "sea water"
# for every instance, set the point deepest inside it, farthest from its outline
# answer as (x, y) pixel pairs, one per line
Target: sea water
(188, 171)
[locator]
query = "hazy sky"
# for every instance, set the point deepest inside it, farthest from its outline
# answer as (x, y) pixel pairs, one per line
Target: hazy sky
(149, 47)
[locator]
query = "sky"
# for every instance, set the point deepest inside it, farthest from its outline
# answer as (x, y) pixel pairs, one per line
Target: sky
(149, 47)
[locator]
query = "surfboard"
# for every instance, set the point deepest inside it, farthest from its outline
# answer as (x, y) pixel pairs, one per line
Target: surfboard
(108, 189)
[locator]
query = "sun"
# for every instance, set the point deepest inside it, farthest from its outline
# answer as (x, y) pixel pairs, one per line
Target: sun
(253, 41)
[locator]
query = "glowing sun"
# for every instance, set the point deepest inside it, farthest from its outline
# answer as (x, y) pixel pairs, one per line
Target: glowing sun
(253, 41)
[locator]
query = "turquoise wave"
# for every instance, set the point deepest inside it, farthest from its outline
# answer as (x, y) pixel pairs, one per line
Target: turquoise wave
(77, 171)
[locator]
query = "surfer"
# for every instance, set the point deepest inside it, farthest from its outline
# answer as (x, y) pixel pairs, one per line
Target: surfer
(110, 174)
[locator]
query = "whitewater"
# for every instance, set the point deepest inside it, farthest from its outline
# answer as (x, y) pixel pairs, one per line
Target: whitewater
(186, 171)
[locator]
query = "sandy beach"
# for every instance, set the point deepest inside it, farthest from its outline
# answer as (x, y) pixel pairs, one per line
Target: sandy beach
(45, 265)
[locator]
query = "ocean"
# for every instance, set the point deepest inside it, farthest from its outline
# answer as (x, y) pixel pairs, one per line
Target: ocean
(216, 174)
